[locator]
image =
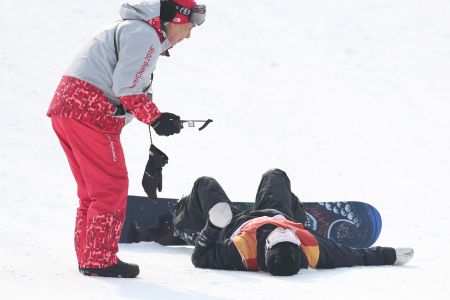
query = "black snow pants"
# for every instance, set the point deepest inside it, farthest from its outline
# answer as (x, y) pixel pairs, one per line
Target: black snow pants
(274, 192)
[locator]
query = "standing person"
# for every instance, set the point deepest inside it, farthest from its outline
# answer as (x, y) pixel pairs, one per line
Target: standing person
(108, 82)
(270, 238)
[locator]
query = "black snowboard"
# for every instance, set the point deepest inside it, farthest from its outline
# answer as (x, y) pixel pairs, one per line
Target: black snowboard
(356, 224)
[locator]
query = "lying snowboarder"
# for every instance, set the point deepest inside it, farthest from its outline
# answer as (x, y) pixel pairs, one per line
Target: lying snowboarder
(270, 238)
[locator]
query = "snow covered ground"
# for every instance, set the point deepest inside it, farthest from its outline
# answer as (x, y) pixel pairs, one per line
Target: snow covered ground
(350, 98)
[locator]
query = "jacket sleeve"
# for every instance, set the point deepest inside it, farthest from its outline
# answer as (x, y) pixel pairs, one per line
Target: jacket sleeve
(209, 253)
(138, 51)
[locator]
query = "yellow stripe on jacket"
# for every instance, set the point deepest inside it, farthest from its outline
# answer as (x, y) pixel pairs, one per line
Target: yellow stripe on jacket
(246, 245)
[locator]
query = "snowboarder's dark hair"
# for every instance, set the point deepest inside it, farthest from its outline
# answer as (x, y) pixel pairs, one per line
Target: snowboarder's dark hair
(284, 259)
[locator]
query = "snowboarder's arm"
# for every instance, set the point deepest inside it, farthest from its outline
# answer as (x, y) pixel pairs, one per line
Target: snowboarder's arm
(209, 253)
(138, 53)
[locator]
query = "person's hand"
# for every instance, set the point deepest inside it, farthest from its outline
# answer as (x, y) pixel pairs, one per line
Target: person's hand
(167, 124)
(220, 215)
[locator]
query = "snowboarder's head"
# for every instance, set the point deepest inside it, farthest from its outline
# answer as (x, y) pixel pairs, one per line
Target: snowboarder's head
(282, 254)
(180, 16)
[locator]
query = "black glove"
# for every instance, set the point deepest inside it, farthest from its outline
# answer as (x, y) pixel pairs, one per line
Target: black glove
(167, 124)
(152, 178)
(208, 235)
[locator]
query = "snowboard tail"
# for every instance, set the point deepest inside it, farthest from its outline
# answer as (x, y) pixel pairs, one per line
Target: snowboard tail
(356, 224)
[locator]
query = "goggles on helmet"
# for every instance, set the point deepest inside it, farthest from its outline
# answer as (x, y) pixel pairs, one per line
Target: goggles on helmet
(280, 235)
(196, 15)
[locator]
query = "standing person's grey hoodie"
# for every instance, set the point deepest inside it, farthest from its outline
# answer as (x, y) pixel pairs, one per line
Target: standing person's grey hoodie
(119, 62)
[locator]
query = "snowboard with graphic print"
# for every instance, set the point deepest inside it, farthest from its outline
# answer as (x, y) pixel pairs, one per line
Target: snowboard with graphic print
(356, 224)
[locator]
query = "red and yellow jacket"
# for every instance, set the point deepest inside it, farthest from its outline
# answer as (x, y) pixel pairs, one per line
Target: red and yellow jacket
(246, 243)
(238, 246)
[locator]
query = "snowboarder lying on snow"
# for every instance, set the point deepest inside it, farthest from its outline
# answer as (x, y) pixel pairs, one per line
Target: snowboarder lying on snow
(270, 238)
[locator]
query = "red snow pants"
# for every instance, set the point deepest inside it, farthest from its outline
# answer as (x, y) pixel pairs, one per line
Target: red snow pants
(98, 164)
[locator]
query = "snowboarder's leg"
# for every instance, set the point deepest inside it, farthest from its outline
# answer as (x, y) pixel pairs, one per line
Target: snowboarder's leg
(274, 192)
(192, 211)
(335, 255)
(101, 165)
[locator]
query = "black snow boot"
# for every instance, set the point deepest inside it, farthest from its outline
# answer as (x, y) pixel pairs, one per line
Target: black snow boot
(119, 270)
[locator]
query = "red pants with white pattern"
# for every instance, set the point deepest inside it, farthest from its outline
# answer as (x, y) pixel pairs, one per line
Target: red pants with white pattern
(98, 164)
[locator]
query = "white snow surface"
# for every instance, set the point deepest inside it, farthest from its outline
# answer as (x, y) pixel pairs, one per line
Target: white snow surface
(350, 98)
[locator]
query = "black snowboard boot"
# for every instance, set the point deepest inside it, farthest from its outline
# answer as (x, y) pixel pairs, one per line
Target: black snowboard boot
(119, 270)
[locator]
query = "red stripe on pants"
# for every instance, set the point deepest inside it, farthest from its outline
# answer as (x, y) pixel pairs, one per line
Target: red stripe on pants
(98, 164)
